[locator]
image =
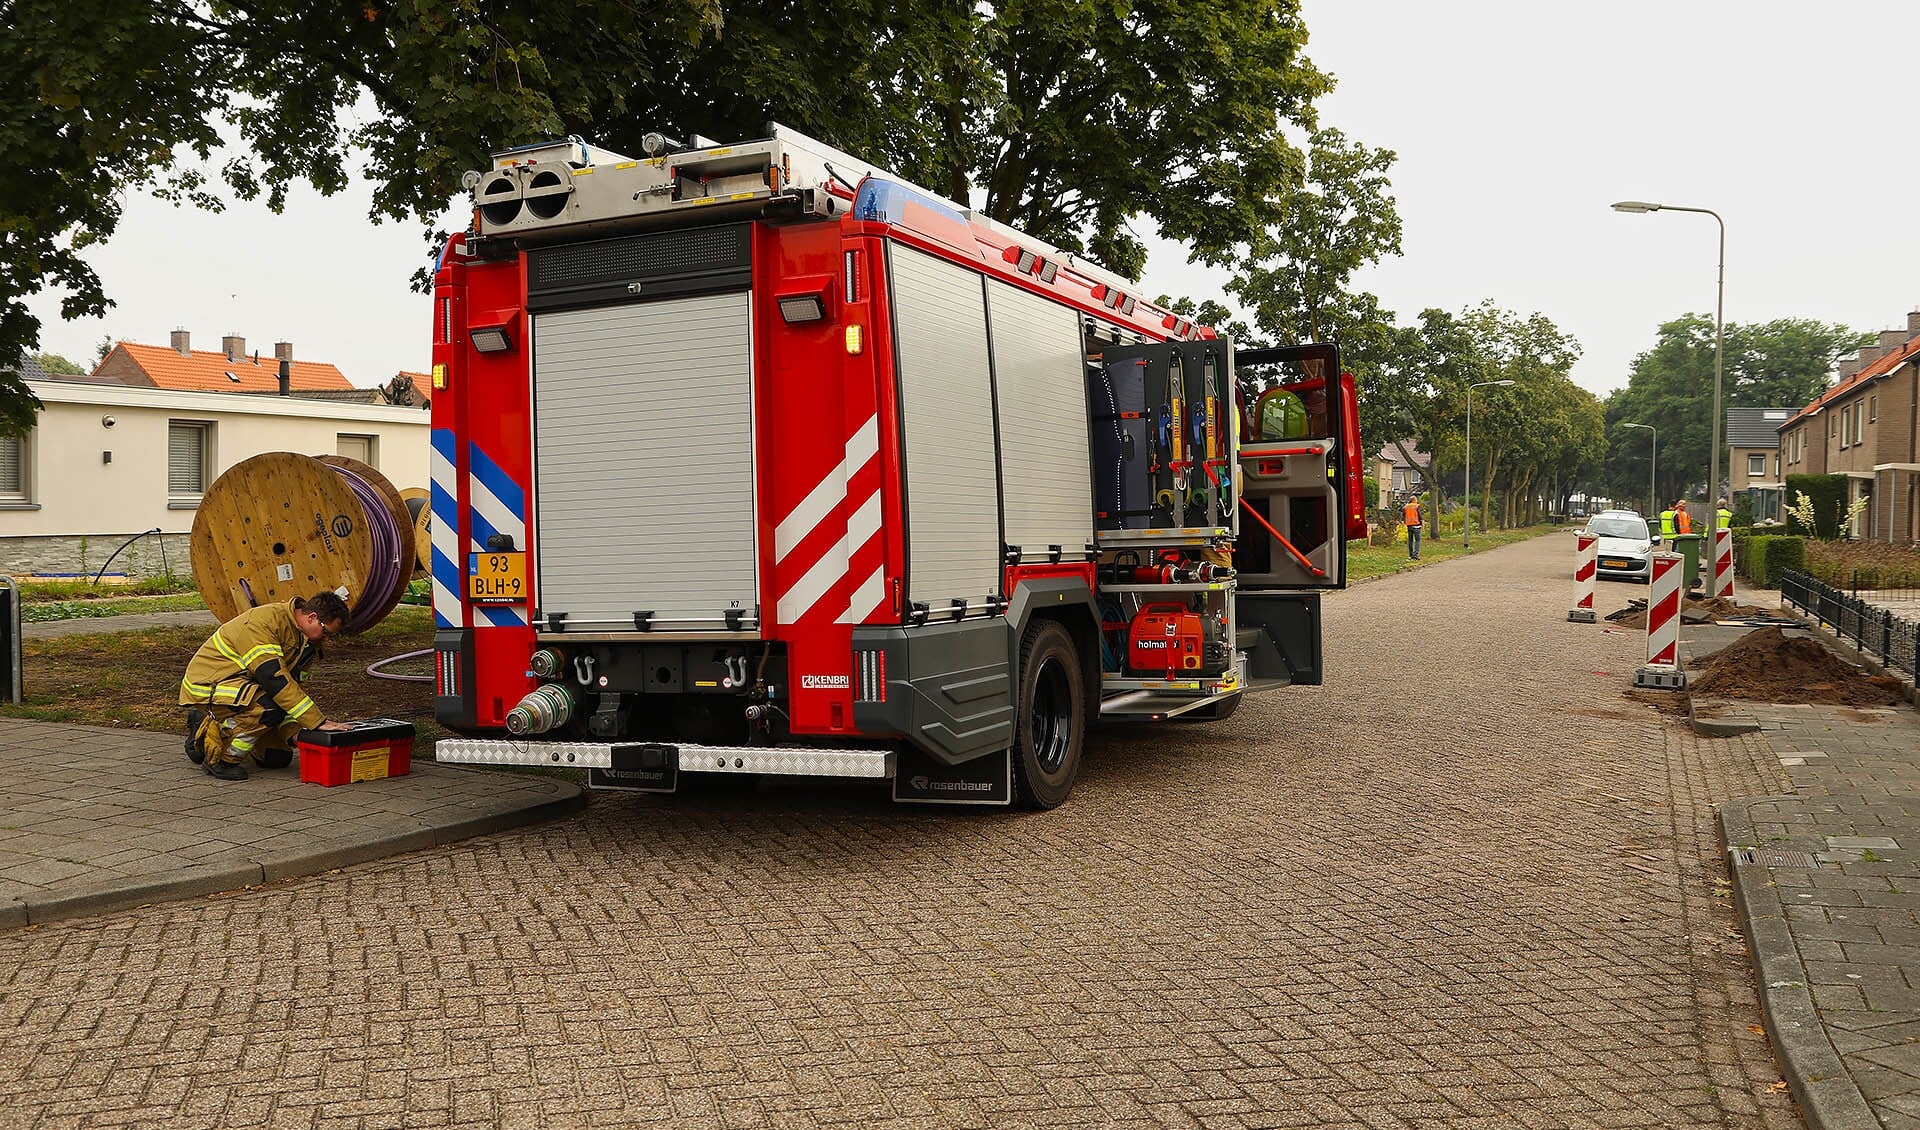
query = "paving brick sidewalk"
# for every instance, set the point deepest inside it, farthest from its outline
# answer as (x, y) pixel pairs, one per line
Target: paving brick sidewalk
(95, 819)
(1828, 881)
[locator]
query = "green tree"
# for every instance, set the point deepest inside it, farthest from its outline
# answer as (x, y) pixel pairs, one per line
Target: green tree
(1066, 118)
(54, 363)
(1784, 363)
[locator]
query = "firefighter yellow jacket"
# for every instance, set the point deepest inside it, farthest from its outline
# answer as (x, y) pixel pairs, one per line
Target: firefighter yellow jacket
(259, 654)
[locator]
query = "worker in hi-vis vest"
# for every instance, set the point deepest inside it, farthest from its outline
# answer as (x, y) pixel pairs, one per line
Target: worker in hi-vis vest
(1682, 521)
(1412, 516)
(1722, 517)
(1667, 528)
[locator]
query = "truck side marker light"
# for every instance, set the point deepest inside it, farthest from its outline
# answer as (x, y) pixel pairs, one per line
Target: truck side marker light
(439, 376)
(854, 343)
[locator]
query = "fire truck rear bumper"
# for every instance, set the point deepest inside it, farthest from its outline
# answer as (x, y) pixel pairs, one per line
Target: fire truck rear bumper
(791, 761)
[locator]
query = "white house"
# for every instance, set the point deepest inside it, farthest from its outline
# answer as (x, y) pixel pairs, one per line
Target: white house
(107, 461)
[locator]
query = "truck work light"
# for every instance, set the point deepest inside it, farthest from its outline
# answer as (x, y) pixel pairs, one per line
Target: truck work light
(797, 308)
(491, 339)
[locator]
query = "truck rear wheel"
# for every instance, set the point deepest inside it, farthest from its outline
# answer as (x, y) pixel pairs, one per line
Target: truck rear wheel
(1050, 733)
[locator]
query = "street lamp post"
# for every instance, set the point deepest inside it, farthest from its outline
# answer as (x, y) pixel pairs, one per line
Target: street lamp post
(1466, 485)
(1653, 466)
(1719, 322)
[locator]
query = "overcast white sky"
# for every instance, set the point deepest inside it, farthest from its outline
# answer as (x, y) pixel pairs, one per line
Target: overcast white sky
(1516, 123)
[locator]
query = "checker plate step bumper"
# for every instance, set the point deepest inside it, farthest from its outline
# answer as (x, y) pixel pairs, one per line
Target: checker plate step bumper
(791, 761)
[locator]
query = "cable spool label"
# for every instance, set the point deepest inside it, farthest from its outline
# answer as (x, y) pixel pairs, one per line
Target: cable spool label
(342, 526)
(283, 573)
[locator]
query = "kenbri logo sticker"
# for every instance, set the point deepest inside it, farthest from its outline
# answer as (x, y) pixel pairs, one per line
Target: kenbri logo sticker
(825, 682)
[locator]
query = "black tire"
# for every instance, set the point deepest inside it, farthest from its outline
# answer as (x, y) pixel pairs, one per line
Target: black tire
(1049, 730)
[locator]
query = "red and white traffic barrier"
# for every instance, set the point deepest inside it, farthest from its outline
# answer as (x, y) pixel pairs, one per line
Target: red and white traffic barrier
(1585, 549)
(1662, 671)
(1723, 563)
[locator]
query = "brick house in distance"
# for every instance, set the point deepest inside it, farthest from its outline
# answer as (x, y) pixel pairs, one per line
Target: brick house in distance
(183, 368)
(1867, 428)
(1754, 462)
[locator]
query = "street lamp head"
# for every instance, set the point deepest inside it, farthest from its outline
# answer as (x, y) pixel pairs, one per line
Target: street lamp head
(1501, 384)
(1635, 206)
(1624, 424)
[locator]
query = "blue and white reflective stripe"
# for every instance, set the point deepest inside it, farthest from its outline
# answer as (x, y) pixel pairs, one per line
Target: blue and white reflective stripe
(497, 505)
(444, 532)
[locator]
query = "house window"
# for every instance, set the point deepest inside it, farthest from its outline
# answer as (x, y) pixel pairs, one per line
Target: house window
(1756, 466)
(1859, 423)
(1776, 467)
(187, 451)
(363, 448)
(1873, 409)
(13, 469)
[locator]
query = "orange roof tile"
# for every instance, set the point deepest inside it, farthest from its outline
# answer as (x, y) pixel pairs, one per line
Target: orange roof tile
(1880, 366)
(210, 371)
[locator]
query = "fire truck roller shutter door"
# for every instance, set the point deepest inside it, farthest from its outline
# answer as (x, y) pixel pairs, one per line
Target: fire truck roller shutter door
(953, 501)
(643, 436)
(1038, 369)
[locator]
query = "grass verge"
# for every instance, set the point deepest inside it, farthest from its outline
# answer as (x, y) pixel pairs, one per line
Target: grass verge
(132, 679)
(1366, 561)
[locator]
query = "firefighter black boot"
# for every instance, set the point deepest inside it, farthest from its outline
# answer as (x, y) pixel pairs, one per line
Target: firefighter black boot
(196, 752)
(226, 770)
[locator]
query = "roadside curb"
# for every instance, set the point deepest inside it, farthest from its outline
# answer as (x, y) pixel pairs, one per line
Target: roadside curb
(125, 894)
(1721, 727)
(1828, 1097)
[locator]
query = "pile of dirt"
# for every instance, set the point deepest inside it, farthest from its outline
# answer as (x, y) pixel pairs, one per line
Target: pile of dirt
(1721, 608)
(1716, 608)
(1766, 665)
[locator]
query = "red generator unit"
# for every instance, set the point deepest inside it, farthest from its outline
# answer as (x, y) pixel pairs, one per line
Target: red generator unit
(1166, 640)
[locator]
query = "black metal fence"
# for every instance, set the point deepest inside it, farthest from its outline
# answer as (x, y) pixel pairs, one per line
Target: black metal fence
(1890, 636)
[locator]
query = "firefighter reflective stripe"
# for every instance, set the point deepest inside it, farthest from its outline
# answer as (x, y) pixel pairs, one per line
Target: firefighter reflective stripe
(255, 655)
(445, 532)
(300, 708)
(220, 643)
(222, 694)
(498, 507)
(862, 526)
(829, 493)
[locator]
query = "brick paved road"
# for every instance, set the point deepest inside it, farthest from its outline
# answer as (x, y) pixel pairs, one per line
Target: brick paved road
(1467, 884)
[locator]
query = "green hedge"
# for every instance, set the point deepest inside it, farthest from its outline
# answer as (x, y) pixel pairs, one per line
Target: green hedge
(1769, 555)
(1829, 495)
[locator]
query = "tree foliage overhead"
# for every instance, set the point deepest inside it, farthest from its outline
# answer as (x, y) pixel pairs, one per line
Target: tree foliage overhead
(1784, 363)
(1068, 118)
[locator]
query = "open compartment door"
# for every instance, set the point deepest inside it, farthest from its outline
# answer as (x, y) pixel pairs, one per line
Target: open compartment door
(1299, 468)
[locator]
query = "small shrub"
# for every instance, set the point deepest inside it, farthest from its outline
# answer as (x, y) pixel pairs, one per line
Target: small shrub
(1767, 556)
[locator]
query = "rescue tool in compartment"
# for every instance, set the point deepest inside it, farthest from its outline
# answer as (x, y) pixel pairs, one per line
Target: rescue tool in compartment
(882, 570)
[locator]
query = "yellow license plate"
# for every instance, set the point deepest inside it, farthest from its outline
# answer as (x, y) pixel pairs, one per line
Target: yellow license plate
(497, 577)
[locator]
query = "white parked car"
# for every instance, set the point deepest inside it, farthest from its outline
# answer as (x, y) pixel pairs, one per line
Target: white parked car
(1626, 544)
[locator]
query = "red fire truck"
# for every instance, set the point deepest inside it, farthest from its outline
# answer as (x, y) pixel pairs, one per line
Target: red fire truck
(755, 459)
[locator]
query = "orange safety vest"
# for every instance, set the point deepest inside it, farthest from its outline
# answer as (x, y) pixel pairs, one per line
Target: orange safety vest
(1682, 520)
(1413, 514)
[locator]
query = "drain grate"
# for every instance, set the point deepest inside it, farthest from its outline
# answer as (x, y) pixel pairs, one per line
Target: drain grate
(1774, 857)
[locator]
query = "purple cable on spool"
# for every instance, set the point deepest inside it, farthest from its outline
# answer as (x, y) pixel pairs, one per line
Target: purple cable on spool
(383, 576)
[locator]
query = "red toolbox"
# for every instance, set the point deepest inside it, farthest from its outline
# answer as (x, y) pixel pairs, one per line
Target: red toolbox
(366, 751)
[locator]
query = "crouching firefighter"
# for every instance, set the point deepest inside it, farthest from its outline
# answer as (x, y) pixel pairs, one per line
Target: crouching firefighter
(242, 687)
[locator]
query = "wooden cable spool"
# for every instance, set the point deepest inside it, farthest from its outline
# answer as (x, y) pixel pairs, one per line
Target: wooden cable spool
(402, 525)
(419, 502)
(280, 525)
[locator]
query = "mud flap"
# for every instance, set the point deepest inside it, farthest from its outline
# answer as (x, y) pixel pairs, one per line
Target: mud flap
(984, 780)
(639, 768)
